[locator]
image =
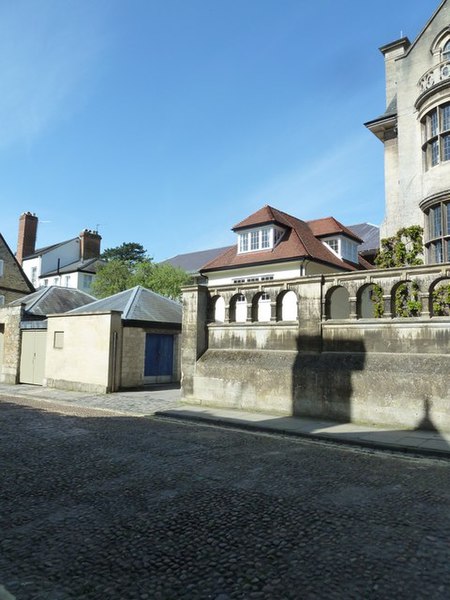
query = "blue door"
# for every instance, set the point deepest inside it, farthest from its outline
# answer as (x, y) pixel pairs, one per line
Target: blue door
(158, 355)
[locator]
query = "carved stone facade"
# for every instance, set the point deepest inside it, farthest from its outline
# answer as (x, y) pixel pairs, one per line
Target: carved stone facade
(415, 130)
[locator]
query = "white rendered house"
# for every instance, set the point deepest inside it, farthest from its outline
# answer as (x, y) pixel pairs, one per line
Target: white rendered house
(72, 263)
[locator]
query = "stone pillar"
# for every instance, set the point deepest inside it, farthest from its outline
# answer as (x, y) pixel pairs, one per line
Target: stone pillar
(353, 307)
(387, 300)
(194, 334)
(424, 298)
(10, 369)
(310, 314)
(273, 310)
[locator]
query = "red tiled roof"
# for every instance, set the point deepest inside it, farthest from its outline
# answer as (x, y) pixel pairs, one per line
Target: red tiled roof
(298, 242)
(266, 214)
(330, 226)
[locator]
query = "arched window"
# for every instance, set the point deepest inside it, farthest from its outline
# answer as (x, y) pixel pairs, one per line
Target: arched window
(218, 309)
(238, 309)
(261, 307)
(446, 51)
(287, 306)
(406, 299)
(338, 305)
(440, 298)
(370, 302)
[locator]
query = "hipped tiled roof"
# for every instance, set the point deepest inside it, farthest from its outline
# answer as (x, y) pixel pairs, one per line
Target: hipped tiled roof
(298, 241)
(138, 304)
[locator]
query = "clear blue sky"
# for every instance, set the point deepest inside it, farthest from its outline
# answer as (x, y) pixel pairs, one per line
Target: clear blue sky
(165, 122)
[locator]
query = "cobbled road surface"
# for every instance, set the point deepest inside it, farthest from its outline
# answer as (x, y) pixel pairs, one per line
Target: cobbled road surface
(99, 506)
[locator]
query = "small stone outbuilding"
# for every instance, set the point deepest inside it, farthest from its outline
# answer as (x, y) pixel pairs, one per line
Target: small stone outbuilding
(127, 340)
(23, 331)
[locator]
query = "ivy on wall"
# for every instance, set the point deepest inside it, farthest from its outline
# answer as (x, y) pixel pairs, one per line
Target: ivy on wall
(407, 303)
(441, 301)
(403, 249)
(376, 295)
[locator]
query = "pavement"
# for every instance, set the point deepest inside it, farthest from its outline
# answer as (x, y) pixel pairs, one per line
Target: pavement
(164, 402)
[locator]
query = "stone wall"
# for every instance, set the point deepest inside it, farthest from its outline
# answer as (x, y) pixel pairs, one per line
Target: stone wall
(10, 318)
(389, 370)
(13, 282)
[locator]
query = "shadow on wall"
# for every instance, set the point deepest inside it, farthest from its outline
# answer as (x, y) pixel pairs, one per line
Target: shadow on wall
(322, 390)
(322, 377)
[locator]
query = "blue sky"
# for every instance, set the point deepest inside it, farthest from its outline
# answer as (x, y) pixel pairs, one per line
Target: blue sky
(165, 122)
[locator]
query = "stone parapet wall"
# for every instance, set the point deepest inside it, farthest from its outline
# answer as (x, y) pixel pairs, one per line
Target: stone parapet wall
(387, 370)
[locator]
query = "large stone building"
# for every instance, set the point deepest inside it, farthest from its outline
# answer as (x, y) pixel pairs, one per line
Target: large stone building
(415, 130)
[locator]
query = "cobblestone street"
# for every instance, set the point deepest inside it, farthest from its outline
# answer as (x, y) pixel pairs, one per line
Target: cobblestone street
(113, 507)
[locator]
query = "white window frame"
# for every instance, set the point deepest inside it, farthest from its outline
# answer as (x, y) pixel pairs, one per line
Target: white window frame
(257, 240)
(1, 267)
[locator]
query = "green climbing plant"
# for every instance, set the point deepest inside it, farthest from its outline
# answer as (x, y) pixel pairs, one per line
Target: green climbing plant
(407, 303)
(441, 300)
(404, 249)
(376, 296)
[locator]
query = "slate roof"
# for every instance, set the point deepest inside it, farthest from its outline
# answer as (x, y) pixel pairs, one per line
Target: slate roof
(370, 234)
(192, 262)
(137, 304)
(298, 242)
(45, 249)
(53, 299)
(84, 266)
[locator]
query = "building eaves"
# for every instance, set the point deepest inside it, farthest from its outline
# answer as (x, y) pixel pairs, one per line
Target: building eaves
(84, 266)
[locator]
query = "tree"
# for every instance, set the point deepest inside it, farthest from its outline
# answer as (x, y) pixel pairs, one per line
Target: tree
(128, 265)
(164, 279)
(112, 277)
(131, 253)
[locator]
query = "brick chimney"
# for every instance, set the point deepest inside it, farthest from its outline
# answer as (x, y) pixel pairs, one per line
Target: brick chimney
(89, 244)
(26, 243)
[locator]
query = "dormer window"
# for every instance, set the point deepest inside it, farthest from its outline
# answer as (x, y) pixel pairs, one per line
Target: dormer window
(263, 238)
(343, 247)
